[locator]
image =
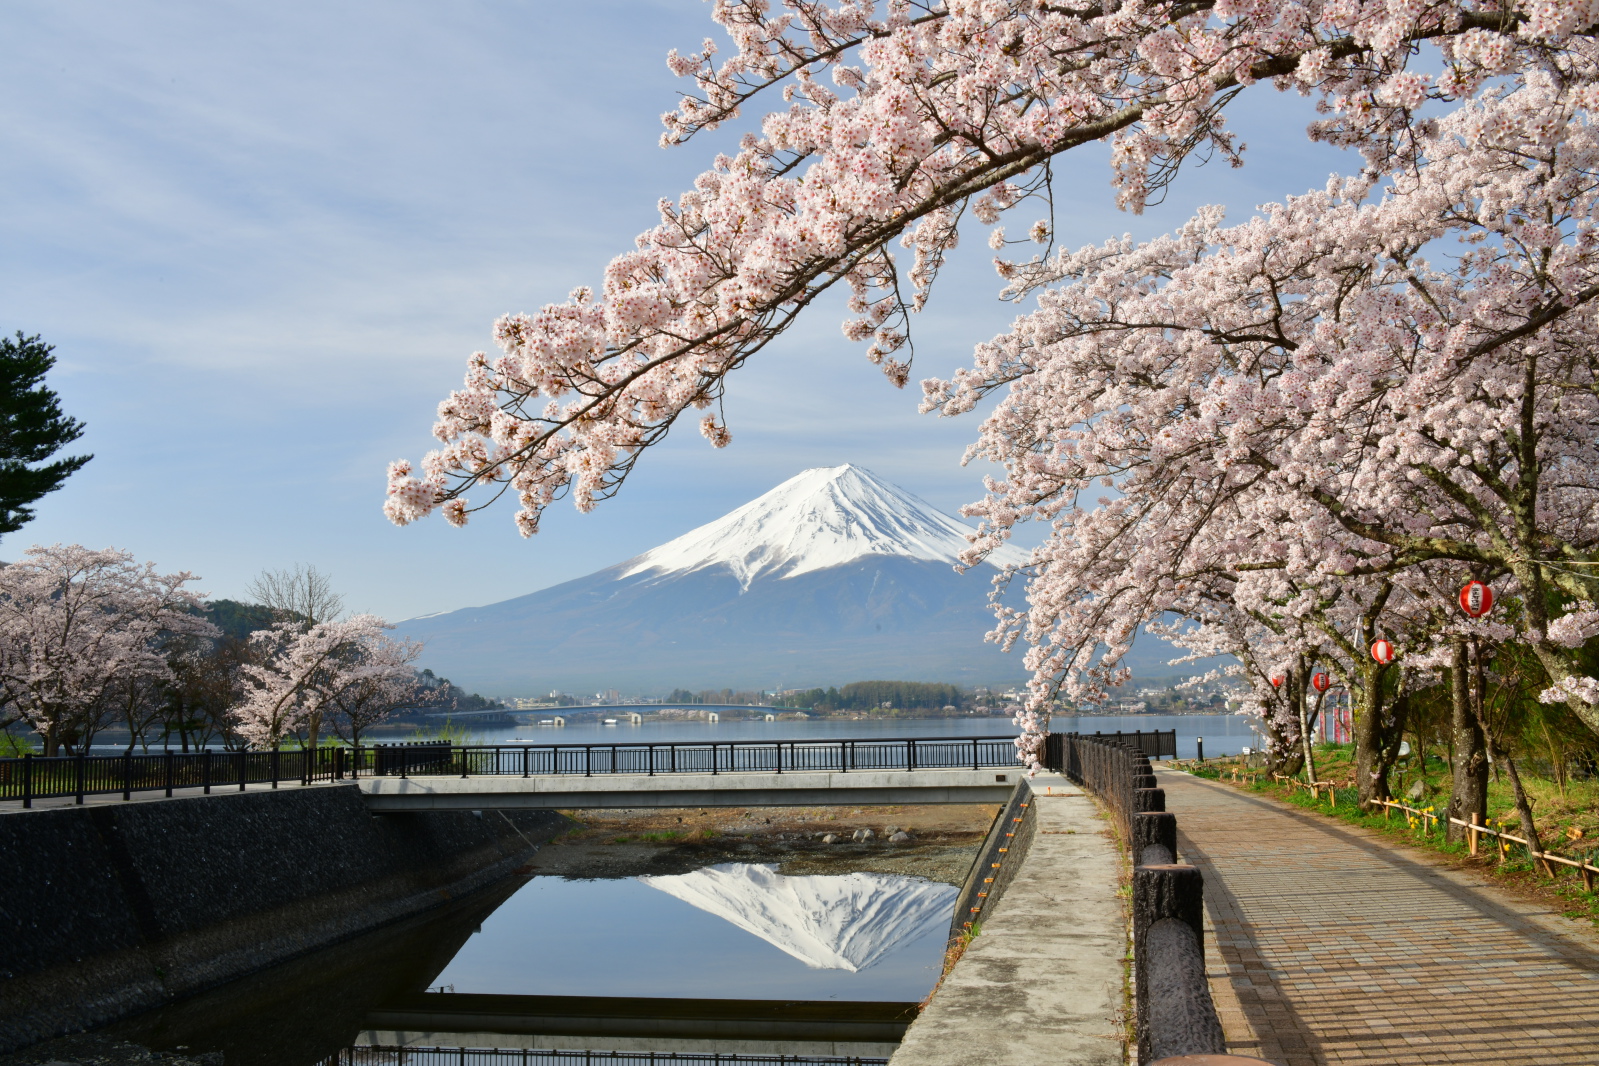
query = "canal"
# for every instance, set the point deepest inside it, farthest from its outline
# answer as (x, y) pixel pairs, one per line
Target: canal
(775, 934)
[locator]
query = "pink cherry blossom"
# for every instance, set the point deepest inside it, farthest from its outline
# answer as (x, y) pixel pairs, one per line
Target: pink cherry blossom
(78, 629)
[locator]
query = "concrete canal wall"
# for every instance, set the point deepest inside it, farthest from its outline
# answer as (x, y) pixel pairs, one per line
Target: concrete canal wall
(115, 909)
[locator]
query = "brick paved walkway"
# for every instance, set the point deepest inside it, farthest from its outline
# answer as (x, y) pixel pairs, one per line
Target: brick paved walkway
(1328, 945)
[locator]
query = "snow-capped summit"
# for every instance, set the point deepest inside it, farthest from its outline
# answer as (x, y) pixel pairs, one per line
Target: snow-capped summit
(837, 922)
(818, 519)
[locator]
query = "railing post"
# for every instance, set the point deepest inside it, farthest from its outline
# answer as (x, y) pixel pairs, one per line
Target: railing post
(910, 755)
(1154, 838)
(244, 769)
(466, 756)
(1169, 954)
(974, 753)
(1199, 742)
(588, 761)
(82, 767)
(27, 779)
(205, 768)
(527, 755)
(169, 761)
(275, 764)
(127, 776)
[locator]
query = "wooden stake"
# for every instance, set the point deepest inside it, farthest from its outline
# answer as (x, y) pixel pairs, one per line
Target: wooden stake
(1471, 833)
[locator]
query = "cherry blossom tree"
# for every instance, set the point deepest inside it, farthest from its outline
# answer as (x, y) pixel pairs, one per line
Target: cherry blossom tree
(1293, 413)
(385, 683)
(79, 630)
(936, 110)
(302, 673)
(1305, 400)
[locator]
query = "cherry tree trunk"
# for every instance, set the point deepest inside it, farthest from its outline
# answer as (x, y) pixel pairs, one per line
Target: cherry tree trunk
(1378, 724)
(1468, 793)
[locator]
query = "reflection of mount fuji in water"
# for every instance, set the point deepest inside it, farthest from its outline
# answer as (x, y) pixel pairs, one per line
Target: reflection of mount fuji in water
(841, 922)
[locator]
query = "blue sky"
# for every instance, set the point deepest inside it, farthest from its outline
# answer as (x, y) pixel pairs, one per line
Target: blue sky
(264, 238)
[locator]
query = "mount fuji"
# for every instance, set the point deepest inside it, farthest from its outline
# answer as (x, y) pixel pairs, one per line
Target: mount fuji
(833, 576)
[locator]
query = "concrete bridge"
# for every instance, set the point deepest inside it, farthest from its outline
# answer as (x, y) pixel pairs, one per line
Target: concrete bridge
(802, 789)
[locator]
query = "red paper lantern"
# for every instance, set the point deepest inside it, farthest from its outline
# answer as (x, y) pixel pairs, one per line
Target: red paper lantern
(1276, 682)
(1476, 599)
(1321, 682)
(1383, 652)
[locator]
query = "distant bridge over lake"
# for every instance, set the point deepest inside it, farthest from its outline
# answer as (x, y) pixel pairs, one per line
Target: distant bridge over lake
(621, 710)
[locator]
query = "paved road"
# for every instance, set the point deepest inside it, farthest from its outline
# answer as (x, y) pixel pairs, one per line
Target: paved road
(1329, 945)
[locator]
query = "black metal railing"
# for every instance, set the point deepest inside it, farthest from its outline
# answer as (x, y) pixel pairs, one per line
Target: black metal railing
(78, 776)
(698, 757)
(389, 1055)
(38, 777)
(1155, 743)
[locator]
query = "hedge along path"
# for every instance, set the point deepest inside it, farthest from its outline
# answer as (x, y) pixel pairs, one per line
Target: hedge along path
(1330, 945)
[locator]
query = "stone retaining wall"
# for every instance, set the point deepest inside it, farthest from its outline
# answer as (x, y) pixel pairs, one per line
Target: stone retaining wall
(111, 910)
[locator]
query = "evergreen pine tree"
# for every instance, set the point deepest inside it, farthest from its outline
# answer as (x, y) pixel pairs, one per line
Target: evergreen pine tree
(32, 428)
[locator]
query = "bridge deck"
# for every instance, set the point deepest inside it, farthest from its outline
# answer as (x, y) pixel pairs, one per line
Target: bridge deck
(1336, 946)
(803, 789)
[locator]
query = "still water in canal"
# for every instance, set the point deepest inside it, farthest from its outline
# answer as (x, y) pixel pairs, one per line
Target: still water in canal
(734, 931)
(730, 931)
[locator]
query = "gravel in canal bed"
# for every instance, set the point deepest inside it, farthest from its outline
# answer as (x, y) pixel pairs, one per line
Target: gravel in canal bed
(937, 842)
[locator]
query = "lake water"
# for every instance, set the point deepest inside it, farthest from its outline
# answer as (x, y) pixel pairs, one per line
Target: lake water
(1224, 734)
